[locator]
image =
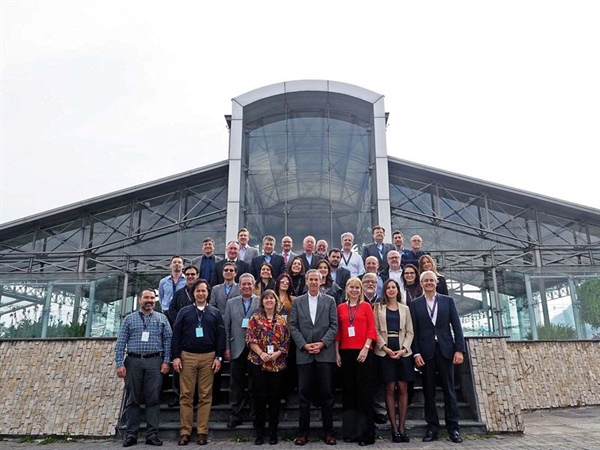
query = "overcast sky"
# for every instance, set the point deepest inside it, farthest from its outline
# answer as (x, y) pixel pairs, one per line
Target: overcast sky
(100, 96)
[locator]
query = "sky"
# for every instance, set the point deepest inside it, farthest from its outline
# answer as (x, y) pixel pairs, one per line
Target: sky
(98, 96)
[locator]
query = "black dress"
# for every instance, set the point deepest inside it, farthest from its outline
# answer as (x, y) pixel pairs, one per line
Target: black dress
(395, 369)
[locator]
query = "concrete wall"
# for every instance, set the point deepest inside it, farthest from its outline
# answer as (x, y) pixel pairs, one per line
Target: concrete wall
(59, 387)
(69, 386)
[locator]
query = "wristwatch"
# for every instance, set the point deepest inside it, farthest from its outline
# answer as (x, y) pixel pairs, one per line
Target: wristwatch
(218, 358)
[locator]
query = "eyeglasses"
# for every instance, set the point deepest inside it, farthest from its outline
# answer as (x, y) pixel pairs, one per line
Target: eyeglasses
(369, 282)
(428, 280)
(191, 274)
(412, 274)
(228, 270)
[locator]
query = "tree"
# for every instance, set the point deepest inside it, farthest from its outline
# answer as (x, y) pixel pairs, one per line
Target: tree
(588, 295)
(553, 332)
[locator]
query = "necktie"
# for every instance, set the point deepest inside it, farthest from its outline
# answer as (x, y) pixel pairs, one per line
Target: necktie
(285, 258)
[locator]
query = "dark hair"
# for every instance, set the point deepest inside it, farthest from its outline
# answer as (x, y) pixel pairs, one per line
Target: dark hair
(278, 283)
(328, 279)
(263, 295)
(199, 282)
(334, 250)
(191, 266)
(269, 265)
(175, 256)
(397, 232)
(384, 297)
(415, 268)
(230, 263)
(302, 270)
(208, 239)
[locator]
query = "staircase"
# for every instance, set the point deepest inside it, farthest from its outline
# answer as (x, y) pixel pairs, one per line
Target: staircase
(288, 422)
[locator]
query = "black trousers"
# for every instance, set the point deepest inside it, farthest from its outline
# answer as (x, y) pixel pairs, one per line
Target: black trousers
(267, 391)
(358, 380)
(445, 369)
(317, 375)
(240, 384)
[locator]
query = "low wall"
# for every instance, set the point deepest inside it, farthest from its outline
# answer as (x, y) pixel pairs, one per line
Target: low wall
(59, 387)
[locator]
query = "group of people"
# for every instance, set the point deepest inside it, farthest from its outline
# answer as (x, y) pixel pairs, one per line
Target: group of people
(285, 321)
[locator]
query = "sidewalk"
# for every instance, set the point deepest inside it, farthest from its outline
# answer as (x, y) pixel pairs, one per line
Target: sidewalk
(559, 429)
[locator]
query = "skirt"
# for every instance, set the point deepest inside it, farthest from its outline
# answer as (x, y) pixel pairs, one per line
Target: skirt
(396, 369)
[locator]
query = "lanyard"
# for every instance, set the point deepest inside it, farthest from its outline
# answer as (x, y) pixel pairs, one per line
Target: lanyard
(352, 312)
(244, 306)
(144, 323)
(347, 260)
(200, 315)
(432, 310)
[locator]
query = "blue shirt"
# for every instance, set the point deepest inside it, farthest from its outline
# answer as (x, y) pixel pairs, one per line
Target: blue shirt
(206, 267)
(167, 288)
(130, 336)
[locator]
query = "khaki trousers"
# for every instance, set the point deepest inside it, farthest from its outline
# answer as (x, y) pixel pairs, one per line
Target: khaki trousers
(197, 368)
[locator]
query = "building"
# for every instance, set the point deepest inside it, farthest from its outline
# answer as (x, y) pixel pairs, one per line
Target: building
(305, 157)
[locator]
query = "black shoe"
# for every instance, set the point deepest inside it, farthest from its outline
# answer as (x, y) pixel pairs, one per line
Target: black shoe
(234, 422)
(404, 437)
(380, 419)
(154, 440)
(260, 439)
(430, 436)
(455, 437)
(128, 442)
(174, 402)
(396, 437)
(273, 437)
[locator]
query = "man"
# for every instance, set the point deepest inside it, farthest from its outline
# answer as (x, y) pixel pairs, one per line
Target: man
(237, 314)
(372, 266)
(416, 251)
(398, 241)
(268, 256)
(437, 346)
(286, 249)
(351, 260)
(146, 336)
(377, 248)
(322, 247)
(221, 293)
(232, 251)
(369, 281)
(206, 262)
(310, 258)
(171, 284)
(313, 327)
(247, 253)
(339, 275)
(394, 271)
(182, 298)
(198, 348)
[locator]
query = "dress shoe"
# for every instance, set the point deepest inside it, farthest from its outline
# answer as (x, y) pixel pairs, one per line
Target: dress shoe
(362, 443)
(234, 422)
(184, 439)
(129, 441)
(455, 437)
(404, 437)
(430, 436)
(301, 440)
(202, 439)
(174, 402)
(154, 440)
(273, 437)
(396, 436)
(330, 440)
(380, 419)
(260, 437)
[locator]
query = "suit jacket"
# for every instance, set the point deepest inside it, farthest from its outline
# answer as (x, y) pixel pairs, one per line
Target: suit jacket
(217, 276)
(219, 297)
(425, 331)
(276, 262)
(406, 328)
(304, 332)
(315, 260)
(372, 250)
(342, 277)
(234, 314)
(250, 254)
(197, 262)
(290, 257)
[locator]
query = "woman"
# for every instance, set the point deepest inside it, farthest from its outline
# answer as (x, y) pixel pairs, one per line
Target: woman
(394, 338)
(412, 287)
(296, 271)
(265, 279)
(327, 285)
(356, 332)
(268, 337)
(283, 287)
(426, 262)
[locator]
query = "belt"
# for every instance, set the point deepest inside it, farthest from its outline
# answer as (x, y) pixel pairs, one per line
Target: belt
(393, 334)
(145, 355)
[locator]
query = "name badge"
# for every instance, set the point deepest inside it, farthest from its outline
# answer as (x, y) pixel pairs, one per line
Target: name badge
(284, 316)
(145, 336)
(245, 322)
(270, 349)
(351, 332)
(199, 332)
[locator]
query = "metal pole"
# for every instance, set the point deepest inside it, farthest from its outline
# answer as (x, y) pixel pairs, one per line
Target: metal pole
(497, 308)
(46, 310)
(581, 331)
(530, 308)
(90, 317)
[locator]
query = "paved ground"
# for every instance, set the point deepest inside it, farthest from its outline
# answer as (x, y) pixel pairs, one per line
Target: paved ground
(561, 429)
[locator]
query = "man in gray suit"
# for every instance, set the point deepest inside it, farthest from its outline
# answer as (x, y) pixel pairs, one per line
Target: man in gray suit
(313, 326)
(286, 250)
(247, 253)
(221, 293)
(237, 315)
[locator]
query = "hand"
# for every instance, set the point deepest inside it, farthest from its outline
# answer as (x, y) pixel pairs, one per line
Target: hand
(177, 366)
(338, 359)
(216, 365)
(419, 361)
(164, 368)
(362, 355)
(265, 357)
(458, 358)
(121, 372)
(227, 355)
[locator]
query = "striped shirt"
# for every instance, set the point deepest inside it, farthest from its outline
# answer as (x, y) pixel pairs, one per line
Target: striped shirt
(130, 336)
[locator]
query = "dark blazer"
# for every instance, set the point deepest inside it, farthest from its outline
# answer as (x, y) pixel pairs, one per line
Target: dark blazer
(217, 276)
(342, 277)
(304, 332)
(276, 262)
(372, 250)
(197, 263)
(315, 260)
(425, 331)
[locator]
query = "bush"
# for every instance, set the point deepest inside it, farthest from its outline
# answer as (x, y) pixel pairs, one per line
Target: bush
(553, 332)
